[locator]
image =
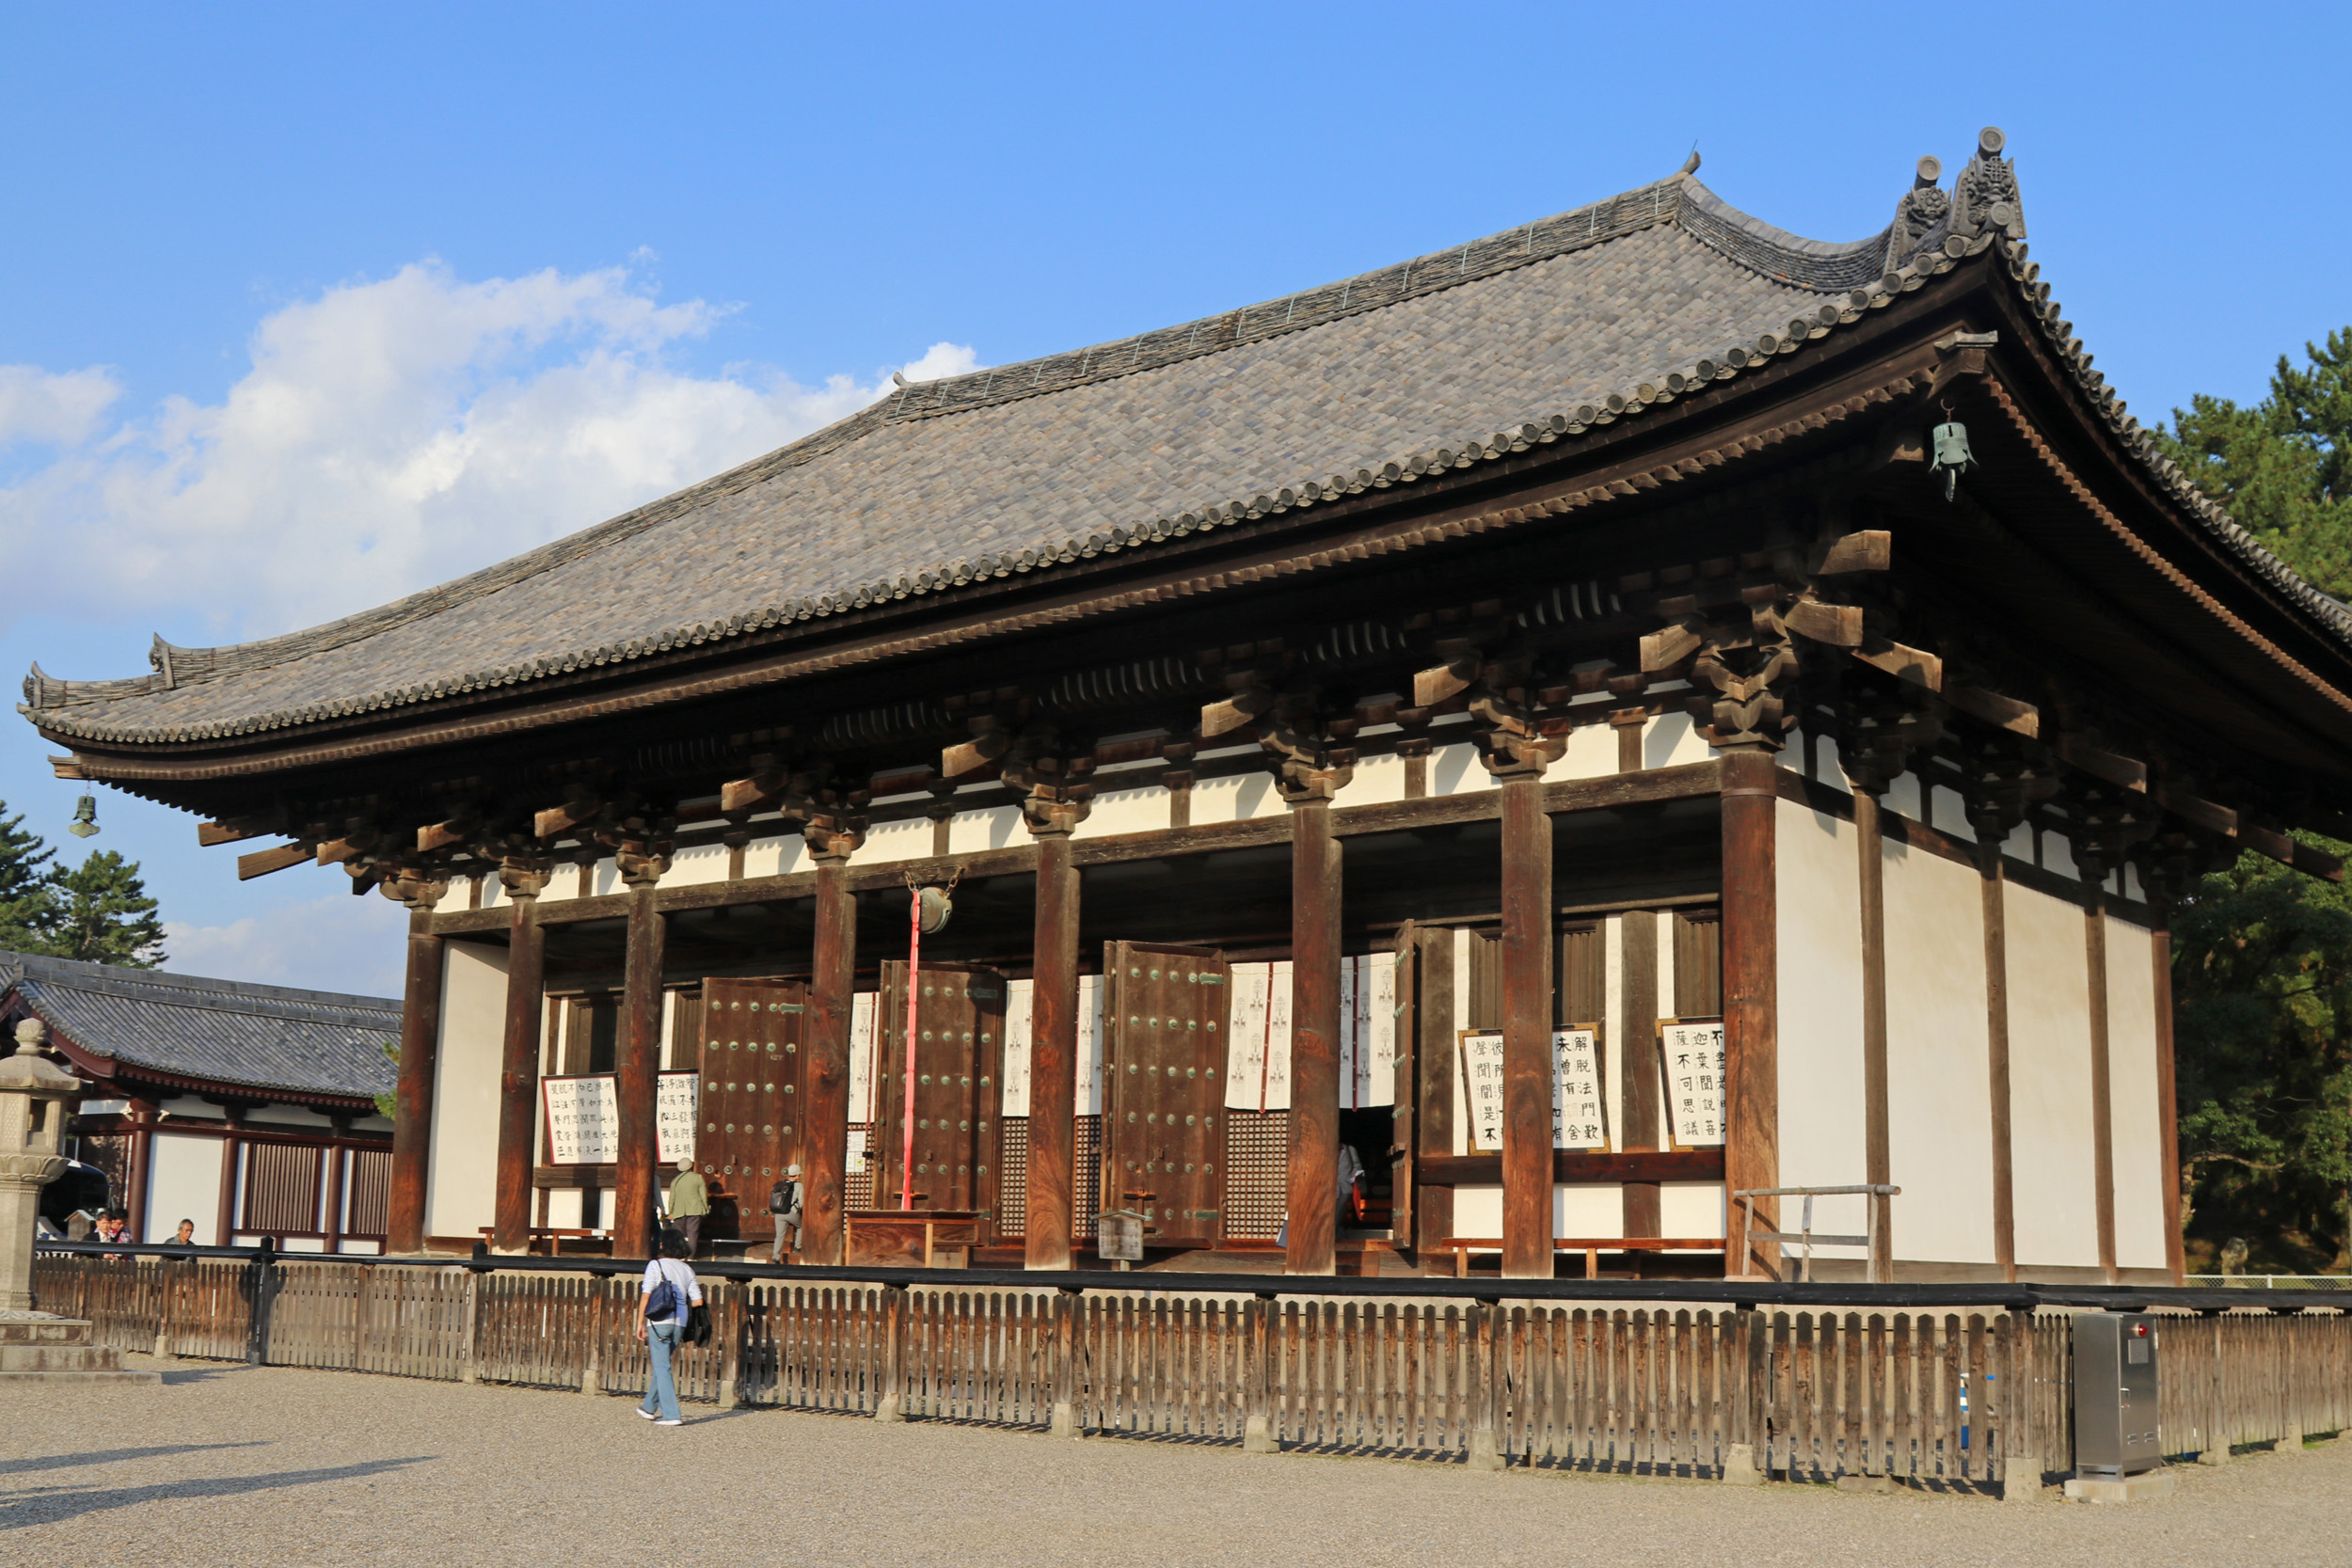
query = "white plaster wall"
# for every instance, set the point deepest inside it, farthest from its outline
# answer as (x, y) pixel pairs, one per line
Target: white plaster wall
(1616, 1031)
(997, 828)
(184, 1183)
(1462, 940)
(906, 839)
(1591, 753)
(373, 1123)
(1939, 1092)
(188, 1105)
(2132, 1096)
(1125, 811)
(701, 863)
(291, 1116)
(1820, 913)
(1949, 814)
(1478, 1211)
(1377, 780)
(1691, 1209)
(460, 1179)
(2049, 1076)
(2058, 856)
(458, 897)
(1235, 798)
(775, 857)
(1456, 770)
(605, 877)
(564, 1207)
(1592, 1209)
(1902, 798)
(1672, 740)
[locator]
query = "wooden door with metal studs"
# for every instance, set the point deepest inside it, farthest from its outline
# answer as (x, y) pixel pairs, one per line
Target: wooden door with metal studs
(959, 1072)
(747, 1125)
(1164, 1020)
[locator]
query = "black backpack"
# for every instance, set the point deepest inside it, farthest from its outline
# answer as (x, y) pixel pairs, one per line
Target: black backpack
(783, 1197)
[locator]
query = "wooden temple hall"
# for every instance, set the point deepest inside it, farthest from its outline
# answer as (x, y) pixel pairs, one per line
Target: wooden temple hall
(1631, 709)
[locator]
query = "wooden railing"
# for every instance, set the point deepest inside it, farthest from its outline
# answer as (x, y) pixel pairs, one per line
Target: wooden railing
(1949, 1398)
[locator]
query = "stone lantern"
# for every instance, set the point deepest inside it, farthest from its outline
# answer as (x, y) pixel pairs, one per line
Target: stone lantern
(35, 1098)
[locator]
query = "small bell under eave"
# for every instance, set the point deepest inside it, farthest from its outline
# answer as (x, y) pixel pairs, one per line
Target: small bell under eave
(933, 906)
(85, 823)
(1952, 456)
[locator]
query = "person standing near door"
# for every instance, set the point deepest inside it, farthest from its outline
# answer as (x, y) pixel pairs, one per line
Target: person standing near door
(671, 1291)
(784, 1207)
(690, 1200)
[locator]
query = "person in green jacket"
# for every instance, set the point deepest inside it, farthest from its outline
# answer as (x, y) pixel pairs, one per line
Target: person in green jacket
(690, 1200)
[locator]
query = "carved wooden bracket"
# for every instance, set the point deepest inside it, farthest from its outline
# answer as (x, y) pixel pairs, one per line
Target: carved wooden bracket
(1056, 791)
(523, 877)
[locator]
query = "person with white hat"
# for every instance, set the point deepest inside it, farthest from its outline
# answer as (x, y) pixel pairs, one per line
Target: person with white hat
(783, 1206)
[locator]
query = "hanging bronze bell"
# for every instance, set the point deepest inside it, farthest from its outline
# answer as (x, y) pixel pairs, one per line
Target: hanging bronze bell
(1952, 456)
(84, 821)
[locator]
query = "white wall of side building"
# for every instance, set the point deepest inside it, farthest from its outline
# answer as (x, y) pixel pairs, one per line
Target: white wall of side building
(1939, 1090)
(184, 1183)
(2051, 1151)
(1818, 908)
(460, 1179)
(2134, 1097)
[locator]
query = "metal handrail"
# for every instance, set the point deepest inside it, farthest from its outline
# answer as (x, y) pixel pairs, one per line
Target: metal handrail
(1878, 1193)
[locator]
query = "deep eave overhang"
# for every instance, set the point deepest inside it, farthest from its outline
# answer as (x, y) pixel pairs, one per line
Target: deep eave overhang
(100, 1067)
(1877, 354)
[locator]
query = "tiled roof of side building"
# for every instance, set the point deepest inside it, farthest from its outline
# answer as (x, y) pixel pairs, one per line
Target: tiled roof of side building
(1534, 334)
(212, 1032)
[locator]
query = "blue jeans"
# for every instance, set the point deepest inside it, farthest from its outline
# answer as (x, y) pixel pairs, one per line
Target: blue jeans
(662, 1339)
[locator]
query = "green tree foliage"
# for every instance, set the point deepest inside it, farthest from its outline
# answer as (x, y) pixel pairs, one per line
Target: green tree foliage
(2284, 467)
(2261, 1003)
(98, 912)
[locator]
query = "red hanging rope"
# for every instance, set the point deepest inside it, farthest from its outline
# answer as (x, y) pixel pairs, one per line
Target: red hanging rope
(914, 959)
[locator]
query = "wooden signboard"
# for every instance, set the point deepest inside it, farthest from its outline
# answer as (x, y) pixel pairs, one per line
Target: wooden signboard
(1165, 1012)
(959, 1070)
(750, 1094)
(1578, 1120)
(583, 1119)
(1691, 1057)
(1481, 1087)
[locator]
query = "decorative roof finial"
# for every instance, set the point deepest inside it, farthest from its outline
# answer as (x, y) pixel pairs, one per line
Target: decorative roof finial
(1690, 164)
(897, 380)
(1985, 195)
(1918, 214)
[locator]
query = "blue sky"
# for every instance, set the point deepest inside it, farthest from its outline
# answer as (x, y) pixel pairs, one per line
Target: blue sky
(310, 307)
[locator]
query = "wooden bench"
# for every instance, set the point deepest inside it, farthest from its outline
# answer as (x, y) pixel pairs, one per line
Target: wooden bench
(554, 1235)
(1591, 1246)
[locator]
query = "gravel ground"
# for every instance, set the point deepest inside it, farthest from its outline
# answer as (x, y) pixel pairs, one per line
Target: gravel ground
(231, 1465)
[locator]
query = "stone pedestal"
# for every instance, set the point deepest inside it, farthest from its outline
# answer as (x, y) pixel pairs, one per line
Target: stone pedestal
(36, 1347)
(2145, 1487)
(35, 1096)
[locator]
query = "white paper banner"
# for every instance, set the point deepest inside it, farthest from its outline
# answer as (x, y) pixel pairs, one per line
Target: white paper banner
(1693, 1056)
(1089, 1068)
(1020, 1001)
(584, 1117)
(1577, 1121)
(1481, 1087)
(1257, 1038)
(863, 1044)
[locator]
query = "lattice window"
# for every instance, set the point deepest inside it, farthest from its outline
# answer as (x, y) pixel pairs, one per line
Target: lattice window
(281, 1188)
(857, 1187)
(1257, 1165)
(1013, 1177)
(371, 1192)
(1087, 1189)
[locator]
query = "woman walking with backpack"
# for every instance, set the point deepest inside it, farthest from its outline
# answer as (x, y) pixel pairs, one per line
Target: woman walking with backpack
(670, 1291)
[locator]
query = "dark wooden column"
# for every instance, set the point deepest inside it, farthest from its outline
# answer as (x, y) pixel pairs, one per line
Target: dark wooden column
(825, 1071)
(1527, 937)
(141, 1174)
(1750, 993)
(337, 1168)
(1637, 1014)
(637, 1069)
(412, 1120)
(1053, 1041)
(1435, 1063)
(1315, 1182)
(2102, 1083)
(1994, 887)
(231, 1147)
(2168, 1098)
(1870, 867)
(518, 1069)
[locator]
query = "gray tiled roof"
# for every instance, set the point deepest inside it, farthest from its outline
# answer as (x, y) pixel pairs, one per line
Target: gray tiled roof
(222, 1031)
(1536, 333)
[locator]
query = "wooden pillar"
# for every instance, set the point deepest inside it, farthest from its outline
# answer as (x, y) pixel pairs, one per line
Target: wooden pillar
(637, 1074)
(825, 1071)
(1637, 1012)
(1751, 995)
(1870, 866)
(1436, 1063)
(2102, 1094)
(1315, 1182)
(2167, 1101)
(1053, 1053)
(1994, 888)
(1527, 937)
(338, 1164)
(412, 1120)
(232, 1147)
(141, 1174)
(518, 1071)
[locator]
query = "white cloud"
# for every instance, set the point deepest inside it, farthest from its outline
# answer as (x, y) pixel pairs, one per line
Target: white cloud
(338, 942)
(388, 435)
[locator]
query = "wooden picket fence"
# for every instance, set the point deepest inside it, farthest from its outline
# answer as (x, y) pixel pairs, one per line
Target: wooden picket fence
(1946, 1399)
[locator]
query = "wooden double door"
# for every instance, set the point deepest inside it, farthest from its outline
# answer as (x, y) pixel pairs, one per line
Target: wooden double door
(958, 1091)
(1165, 1023)
(748, 1098)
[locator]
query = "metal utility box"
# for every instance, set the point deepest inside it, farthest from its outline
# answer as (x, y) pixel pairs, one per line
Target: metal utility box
(2115, 1394)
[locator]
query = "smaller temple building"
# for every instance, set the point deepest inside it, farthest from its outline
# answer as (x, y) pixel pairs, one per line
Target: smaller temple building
(250, 1110)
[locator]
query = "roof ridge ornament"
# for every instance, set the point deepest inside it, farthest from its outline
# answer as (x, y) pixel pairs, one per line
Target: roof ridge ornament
(1985, 195)
(1919, 215)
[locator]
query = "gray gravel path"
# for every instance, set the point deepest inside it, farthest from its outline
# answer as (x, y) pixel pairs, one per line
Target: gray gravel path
(227, 1465)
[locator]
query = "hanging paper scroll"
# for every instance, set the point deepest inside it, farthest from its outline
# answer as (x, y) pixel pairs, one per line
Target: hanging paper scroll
(1577, 1118)
(1257, 1038)
(1690, 1053)
(1481, 1087)
(583, 1119)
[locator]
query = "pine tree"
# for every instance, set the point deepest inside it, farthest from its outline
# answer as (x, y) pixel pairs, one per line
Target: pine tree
(100, 913)
(23, 884)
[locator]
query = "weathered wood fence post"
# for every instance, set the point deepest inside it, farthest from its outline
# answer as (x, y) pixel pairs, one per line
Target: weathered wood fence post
(2219, 1426)
(469, 1368)
(1744, 1352)
(1257, 1377)
(888, 1404)
(164, 1303)
(2020, 1413)
(1063, 1421)
(1484, 1453)
(261, 1288)
(592, 1367)
(732, 1324)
